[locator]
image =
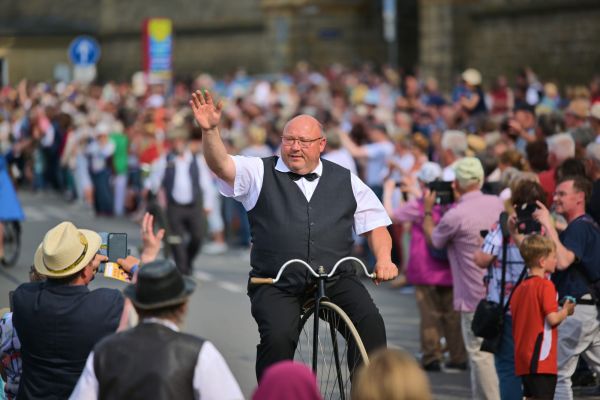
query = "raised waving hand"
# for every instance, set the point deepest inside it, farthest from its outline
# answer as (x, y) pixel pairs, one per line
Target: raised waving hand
(206, 112)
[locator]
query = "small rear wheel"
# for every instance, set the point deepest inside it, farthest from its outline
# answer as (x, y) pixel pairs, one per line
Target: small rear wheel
(12, 243)
(340, 350)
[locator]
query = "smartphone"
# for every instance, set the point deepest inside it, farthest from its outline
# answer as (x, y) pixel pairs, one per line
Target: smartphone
(116, 246)
(103, 251)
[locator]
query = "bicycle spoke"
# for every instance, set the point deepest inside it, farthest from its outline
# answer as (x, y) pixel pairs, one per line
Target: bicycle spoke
(333, 374)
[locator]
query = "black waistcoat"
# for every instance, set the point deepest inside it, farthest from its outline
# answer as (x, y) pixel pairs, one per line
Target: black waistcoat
(169, 178)
(284, 225)
(149, 361)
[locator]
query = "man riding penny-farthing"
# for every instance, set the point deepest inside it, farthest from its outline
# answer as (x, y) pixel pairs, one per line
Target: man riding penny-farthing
(300, 207)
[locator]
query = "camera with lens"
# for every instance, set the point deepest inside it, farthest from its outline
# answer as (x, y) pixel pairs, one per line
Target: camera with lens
(526, 224)
(444, 194)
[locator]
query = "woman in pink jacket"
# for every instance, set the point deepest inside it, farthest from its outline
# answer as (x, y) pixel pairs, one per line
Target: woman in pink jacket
(428, 270)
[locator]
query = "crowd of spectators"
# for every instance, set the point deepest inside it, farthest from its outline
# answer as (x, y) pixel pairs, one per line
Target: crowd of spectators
(98, 145)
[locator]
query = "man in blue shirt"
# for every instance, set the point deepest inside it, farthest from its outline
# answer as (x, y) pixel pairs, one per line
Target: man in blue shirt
(578, 253)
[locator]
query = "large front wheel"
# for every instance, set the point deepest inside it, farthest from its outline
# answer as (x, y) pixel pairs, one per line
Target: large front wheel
(340, 350)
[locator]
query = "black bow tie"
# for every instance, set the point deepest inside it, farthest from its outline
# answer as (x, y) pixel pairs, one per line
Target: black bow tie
(309, 177)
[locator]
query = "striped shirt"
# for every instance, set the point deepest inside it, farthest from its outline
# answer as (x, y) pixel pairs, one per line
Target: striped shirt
(10, 355)
(492, 245)
(458, 230)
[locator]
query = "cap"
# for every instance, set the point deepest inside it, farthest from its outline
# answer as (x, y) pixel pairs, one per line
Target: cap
(468, 169)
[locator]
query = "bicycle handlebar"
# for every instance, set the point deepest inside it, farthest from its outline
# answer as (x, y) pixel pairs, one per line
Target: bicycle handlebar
(269, 281)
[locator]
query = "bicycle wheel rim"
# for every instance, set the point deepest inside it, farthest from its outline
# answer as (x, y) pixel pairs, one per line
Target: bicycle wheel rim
(334, 382)
(12, 244)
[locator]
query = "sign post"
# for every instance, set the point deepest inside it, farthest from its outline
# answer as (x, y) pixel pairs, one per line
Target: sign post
(84, 53)
(389, 30)
(158, 49)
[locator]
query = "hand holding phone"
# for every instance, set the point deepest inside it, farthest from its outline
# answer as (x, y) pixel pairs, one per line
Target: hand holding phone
(117, 246)
(526, 223)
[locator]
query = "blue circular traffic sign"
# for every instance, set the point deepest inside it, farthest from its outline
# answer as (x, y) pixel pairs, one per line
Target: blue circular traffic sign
(84, 50)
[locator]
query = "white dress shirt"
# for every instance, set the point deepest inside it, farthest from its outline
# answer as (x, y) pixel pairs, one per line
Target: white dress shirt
(249, 176)
(212, 378)
(182, 190)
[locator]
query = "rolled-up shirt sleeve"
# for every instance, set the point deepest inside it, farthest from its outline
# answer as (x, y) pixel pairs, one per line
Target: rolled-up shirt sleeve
(445, 230)
(249, 175)
(369, 213)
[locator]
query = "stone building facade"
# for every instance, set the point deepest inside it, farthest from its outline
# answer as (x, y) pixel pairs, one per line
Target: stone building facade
(559, 39)
(213, 36)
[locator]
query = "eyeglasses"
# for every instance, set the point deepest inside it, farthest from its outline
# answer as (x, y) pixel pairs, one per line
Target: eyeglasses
(304, 143)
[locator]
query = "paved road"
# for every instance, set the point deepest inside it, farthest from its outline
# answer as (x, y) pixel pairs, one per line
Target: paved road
(219, 309)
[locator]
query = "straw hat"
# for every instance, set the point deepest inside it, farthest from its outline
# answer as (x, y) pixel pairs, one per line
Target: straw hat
(178, 132)
(66, 250)
(472, 76)
(579, 108)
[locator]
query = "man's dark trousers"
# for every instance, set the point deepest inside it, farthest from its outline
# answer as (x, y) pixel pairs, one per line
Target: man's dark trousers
(186, 220)
(277, 314)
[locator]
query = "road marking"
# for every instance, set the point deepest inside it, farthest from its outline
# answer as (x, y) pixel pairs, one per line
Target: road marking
(57, 212)
(9, 276)
(203, 276)
(230, 287)
(34, 215)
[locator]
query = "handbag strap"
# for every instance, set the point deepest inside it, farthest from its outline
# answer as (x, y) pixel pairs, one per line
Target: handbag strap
(505, 236)
(521, 277)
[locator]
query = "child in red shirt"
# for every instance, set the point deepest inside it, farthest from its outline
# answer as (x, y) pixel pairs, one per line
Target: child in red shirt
(535, 318)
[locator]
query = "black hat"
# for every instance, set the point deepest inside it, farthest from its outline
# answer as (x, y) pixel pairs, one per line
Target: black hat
(159, 284)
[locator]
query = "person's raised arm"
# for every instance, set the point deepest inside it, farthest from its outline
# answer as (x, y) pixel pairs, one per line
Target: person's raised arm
(564, 256)
(355, 150)
(428, 222)
(150, 241)
(208, 115)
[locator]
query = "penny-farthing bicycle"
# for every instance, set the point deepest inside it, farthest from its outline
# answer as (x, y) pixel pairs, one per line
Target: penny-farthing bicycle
(330, 344)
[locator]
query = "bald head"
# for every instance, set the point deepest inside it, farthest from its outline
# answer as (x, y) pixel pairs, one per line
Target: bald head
(304, 125)
(303, 145)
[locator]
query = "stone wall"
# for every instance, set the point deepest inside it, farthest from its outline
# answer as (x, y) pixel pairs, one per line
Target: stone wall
(33, 59)
(559, 39)
(213, 36)
(322, 32)
(216, 36)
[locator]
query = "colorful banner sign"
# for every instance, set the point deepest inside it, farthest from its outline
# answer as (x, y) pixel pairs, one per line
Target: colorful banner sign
(158, 48)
